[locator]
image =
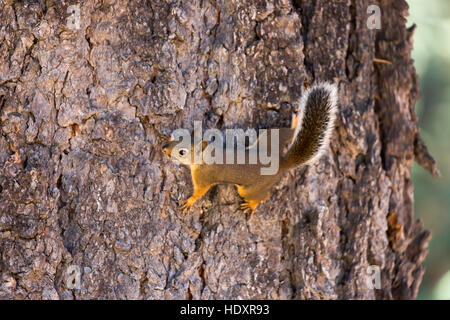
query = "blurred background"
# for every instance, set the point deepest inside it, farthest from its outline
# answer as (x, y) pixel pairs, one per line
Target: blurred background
(432, 196)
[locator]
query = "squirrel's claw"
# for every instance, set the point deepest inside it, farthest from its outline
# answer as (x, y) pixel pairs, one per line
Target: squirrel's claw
(185, 208)
(245, 206)
(187, 205)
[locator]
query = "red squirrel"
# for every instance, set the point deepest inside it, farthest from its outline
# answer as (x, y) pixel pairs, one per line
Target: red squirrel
(306, 141)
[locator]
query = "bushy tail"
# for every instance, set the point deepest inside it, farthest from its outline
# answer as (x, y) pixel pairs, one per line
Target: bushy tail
(314, 125)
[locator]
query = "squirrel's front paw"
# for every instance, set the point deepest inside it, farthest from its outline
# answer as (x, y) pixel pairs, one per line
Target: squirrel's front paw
(249, 206)
(187, 205)
(245, 206)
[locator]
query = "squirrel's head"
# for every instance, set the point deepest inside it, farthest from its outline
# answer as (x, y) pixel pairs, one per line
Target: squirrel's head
(181, 151)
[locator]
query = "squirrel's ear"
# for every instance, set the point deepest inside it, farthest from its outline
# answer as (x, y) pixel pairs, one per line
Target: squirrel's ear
(203, 144)
(294, 120)
(167, 136)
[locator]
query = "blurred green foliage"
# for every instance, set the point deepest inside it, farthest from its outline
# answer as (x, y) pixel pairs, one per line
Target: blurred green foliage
(432, 196)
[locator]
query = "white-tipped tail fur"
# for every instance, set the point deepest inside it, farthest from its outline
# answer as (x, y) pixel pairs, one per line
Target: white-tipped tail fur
(315, 123)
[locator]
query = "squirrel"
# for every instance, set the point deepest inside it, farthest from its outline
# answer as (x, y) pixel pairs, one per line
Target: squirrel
(306, 140)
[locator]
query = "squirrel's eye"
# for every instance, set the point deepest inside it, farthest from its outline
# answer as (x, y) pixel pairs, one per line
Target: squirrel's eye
(182, 152)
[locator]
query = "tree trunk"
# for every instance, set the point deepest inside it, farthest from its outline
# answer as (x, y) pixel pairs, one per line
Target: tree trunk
(86, 190)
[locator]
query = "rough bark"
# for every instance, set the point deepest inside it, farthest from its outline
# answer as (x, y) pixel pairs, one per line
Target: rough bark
(84, 181)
